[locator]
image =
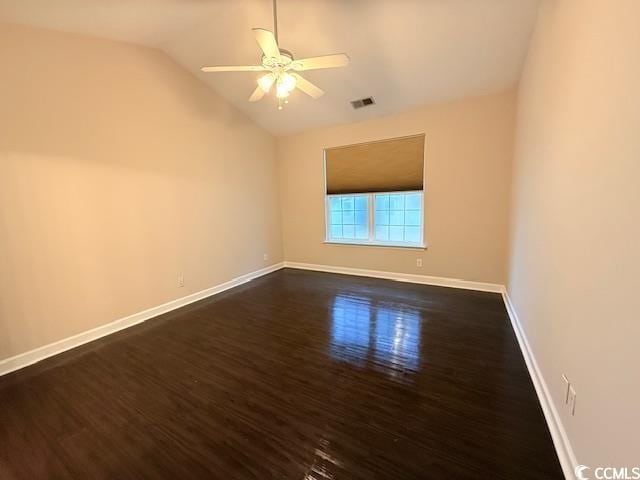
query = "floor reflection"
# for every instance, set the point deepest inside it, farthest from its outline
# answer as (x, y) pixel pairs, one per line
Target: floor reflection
(324, 463)
(367, 332)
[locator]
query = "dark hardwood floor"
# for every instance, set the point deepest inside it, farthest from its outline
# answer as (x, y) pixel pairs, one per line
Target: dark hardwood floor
(296, 375)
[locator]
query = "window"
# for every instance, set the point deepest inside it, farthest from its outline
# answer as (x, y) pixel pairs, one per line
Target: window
(386, 218)
(374, 192)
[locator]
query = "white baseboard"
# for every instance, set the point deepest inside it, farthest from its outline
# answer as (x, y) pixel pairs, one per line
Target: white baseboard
(561, 441)
(24, 359)
(401, 277)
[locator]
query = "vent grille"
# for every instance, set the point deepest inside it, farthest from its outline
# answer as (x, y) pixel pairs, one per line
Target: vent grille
(363, 102)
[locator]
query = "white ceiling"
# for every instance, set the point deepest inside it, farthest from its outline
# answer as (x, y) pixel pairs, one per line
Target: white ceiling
(404, 53)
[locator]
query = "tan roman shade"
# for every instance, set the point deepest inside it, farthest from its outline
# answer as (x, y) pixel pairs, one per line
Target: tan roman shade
(384, 166)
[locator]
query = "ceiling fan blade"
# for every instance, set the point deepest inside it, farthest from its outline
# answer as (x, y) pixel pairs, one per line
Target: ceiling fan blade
(234, 68)
(267, 42)
(307, 87)
(325, 61)
(257, 94)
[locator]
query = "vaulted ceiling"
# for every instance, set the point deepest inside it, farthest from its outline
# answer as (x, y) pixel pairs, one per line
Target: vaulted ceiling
(404, 53)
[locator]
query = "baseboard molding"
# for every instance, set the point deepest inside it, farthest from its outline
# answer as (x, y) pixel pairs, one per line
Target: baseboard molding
(561, 441)
(28, 358)
(401, 277)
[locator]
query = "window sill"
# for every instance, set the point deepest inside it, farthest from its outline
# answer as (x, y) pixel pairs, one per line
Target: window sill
(376, 245)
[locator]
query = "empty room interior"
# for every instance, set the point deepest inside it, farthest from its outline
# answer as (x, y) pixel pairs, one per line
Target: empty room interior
(319, 239)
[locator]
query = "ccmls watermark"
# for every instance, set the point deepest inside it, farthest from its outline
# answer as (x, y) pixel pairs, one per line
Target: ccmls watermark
(607, 473)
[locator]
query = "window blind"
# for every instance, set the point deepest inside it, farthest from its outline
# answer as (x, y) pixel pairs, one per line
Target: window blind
(393, 165)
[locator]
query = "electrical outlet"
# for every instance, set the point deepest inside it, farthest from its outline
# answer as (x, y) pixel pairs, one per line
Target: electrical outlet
(265, 257)
(181, 280)
(572, 400)
(419, 262)
(567, 384)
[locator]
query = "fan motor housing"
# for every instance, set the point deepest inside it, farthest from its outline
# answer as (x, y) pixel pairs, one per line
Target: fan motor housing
(286, 57)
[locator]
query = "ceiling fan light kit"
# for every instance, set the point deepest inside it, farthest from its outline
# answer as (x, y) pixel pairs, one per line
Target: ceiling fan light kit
(282, 68)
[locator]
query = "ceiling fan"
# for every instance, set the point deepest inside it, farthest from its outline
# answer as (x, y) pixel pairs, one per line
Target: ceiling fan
(282, 67)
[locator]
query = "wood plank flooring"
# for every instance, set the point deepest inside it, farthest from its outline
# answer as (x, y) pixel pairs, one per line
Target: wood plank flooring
(294, 376)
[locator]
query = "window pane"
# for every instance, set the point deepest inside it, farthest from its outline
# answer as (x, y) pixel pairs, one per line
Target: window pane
(362, 232)
(382, 232)
(348, 217)
(412, 217)
(396, 217)
(412, 234)
(382, 217)
(348, 231)
(362, 203)
(382, 202)
(413, 201)
(396, 202)
(396, 234)
(347, 203)
(395, 221)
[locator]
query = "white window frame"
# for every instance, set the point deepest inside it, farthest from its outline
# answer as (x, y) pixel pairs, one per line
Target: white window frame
(371, 206)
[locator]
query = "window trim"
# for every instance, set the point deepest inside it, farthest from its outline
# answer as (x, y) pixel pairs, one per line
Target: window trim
(371, 242)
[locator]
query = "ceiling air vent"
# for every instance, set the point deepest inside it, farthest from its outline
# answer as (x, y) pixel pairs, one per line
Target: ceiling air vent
(363, 102)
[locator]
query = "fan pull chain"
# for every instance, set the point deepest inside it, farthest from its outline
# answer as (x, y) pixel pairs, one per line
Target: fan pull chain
(282, 102)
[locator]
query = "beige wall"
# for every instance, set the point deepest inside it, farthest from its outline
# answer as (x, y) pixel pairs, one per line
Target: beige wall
(469, 149)
(575, 262)
(119, 171)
